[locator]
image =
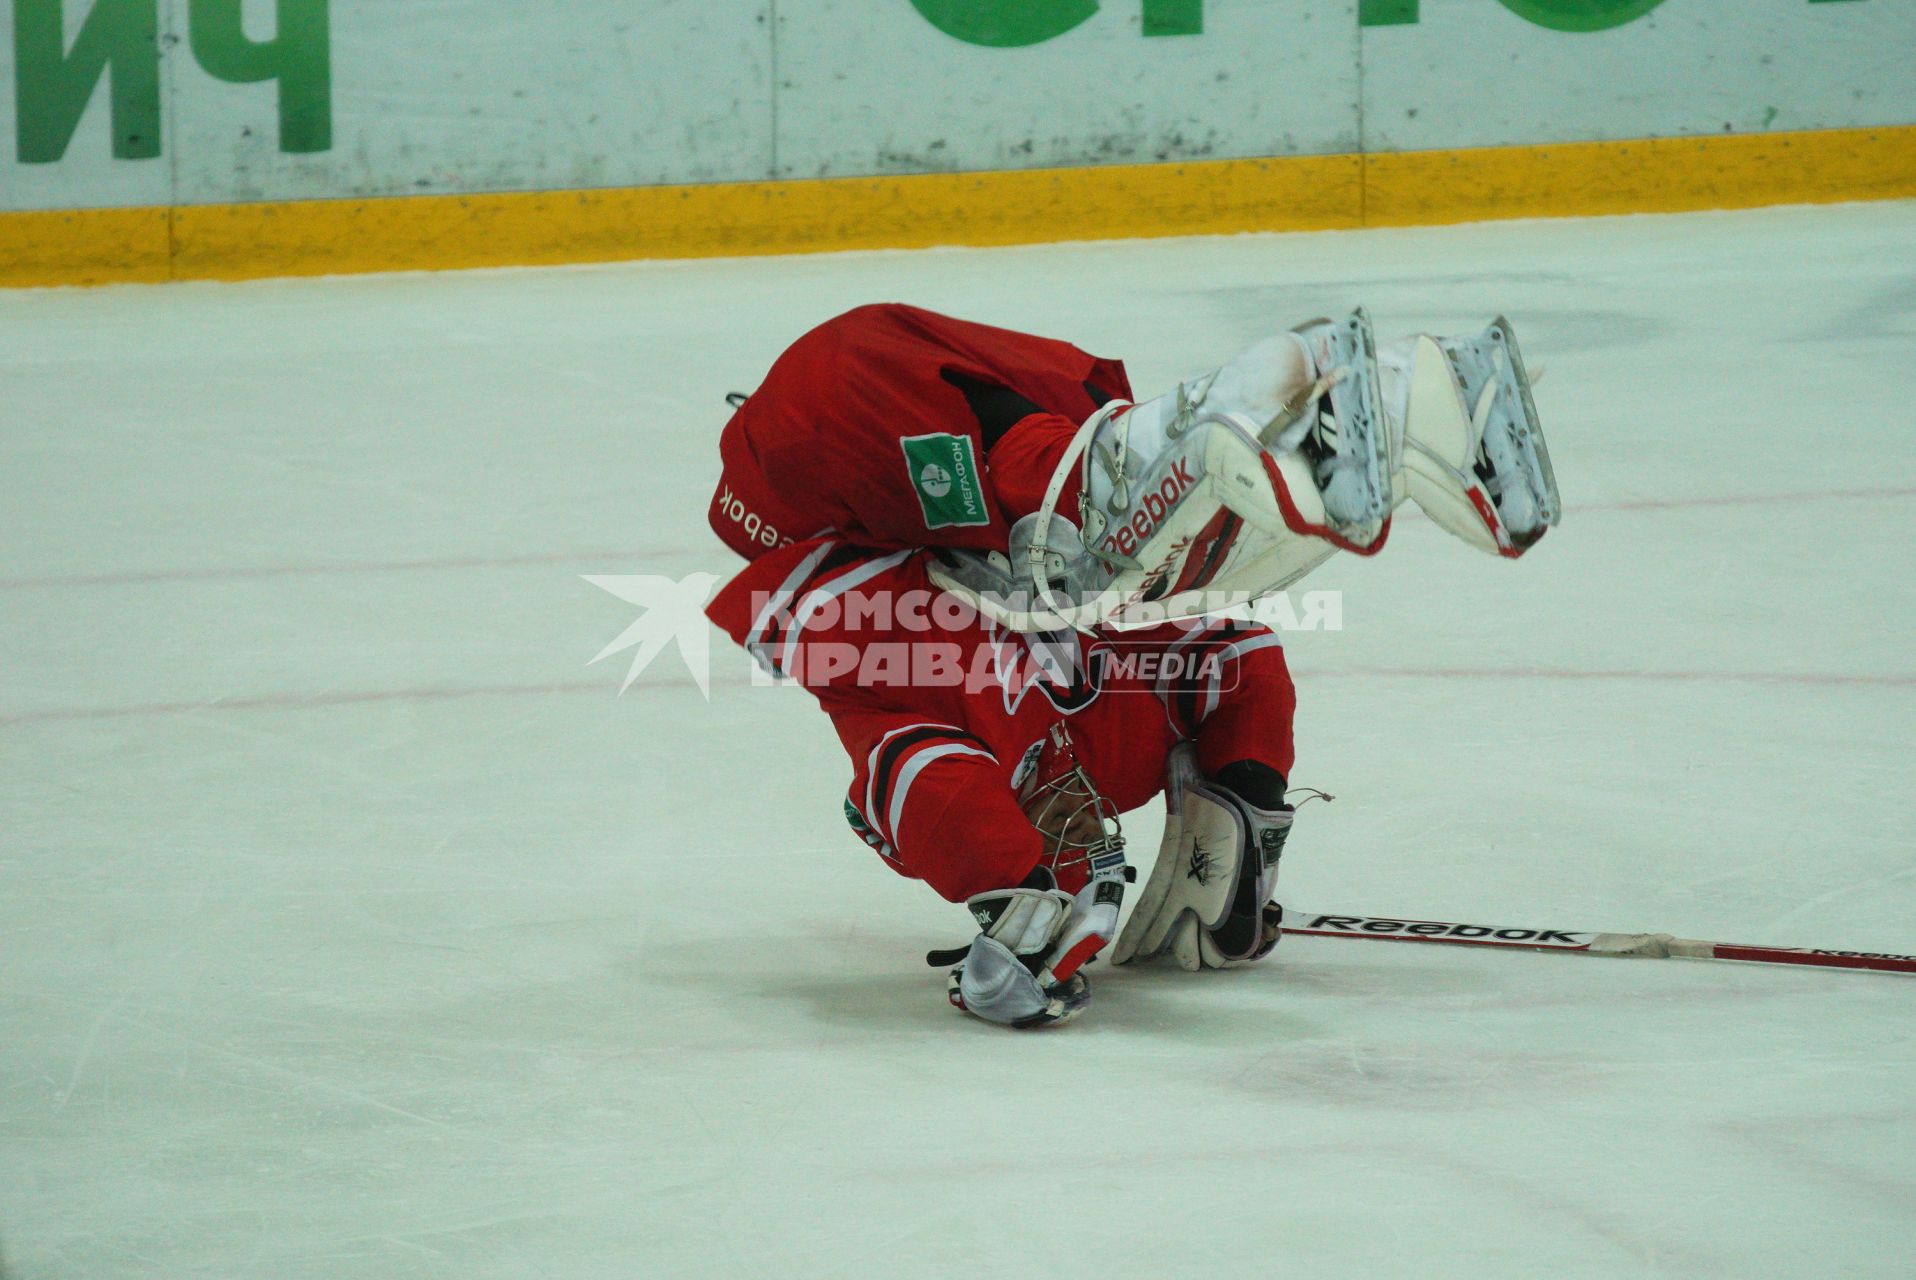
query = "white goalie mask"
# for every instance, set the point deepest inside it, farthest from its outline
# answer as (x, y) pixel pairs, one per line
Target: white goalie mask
(1083, 837)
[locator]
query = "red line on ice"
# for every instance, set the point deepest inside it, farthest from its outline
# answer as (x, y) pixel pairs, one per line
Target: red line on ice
(305, 701)
(629, 555)
(609, 689)
(348, 566)
(1838, 679)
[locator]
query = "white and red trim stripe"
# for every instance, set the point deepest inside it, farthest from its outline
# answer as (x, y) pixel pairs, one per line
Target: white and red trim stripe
(897, 759)
(779, 601)
(819, 596)
(1183, 692)
(1214, 685)
(913, 766)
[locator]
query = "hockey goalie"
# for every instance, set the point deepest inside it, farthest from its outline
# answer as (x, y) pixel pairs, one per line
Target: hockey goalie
(1015, 590)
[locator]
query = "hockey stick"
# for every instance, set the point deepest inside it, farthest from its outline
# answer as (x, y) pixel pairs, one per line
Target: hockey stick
(1656, 946)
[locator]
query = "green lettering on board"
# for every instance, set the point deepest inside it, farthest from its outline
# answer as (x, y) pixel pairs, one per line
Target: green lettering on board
(119, 41)
(52, 85)
(1386, 13)
(299, 56)
(1005, 24)
(1580, 15)
(1558, 15)
(1013, 24)
(1173, 17)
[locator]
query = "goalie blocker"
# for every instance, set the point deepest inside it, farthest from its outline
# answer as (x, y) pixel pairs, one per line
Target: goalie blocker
(1208, 901)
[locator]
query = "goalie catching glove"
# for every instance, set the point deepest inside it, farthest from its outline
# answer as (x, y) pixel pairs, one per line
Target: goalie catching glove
(1208, 901)
(1022, 970)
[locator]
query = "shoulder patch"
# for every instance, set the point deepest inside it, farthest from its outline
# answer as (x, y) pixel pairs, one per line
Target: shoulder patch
(943, 469)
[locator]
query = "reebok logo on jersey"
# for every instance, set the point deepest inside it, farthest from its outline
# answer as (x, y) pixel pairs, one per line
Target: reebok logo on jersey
(756, 529)
(944, 473)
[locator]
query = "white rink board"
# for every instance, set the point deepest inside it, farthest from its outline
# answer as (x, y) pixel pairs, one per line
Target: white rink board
(1475, 75)
(484, 95)
(354, 929)
(871, 89)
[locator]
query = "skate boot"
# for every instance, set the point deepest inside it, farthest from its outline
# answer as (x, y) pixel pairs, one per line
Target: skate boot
(1472, 453)
(1344, 434)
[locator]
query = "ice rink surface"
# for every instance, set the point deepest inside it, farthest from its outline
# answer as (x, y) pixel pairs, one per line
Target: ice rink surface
(354, 927)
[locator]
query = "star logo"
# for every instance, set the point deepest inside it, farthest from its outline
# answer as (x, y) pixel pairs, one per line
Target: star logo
(674, 614)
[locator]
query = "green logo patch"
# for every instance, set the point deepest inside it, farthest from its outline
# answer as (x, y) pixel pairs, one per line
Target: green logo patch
(944, 474)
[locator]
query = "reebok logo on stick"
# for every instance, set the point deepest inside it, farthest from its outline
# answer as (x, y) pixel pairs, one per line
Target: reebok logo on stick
(1435, 929)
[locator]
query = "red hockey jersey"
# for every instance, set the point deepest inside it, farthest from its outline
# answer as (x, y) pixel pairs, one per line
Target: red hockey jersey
(940, 709)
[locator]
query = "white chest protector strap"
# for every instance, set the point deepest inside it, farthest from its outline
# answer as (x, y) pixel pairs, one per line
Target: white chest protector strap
(1081, 616)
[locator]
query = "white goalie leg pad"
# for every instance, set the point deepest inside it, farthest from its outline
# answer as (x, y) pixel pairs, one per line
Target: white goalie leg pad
(1174, 508)
(1208, 899)
(1241, 472)
(1157, 472)
(1474, 456)
(1237, 472)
